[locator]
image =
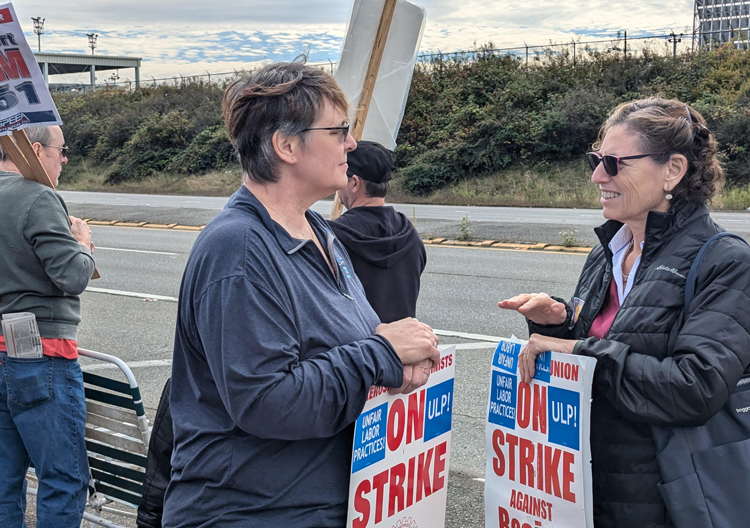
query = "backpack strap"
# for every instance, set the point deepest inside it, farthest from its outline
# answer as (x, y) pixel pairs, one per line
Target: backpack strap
(692, 277)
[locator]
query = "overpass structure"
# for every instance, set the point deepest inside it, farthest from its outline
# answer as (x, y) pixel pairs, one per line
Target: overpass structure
(61, 63)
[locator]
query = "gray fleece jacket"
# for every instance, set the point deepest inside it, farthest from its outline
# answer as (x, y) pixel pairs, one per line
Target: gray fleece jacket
(43, 268)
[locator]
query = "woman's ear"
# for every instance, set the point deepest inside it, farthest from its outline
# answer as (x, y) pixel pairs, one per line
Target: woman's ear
(677, 166)
(285, 147)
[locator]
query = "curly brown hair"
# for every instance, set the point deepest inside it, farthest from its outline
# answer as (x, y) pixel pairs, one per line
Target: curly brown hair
(672, 127)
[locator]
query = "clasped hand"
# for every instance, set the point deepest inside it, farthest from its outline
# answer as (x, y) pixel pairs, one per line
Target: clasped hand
(417, 346)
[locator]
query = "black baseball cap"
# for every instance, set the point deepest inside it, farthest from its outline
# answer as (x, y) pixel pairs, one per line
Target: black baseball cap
(371, 161)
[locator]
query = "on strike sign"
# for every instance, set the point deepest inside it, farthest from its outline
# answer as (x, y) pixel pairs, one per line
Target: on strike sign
(401, 455)
(538, 454)
(24, 98)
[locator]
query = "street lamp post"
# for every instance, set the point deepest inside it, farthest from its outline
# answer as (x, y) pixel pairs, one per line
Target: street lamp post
(38, 29)
(92, 41)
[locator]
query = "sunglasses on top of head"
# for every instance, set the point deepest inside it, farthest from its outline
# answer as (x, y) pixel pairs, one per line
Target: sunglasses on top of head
(612, 163)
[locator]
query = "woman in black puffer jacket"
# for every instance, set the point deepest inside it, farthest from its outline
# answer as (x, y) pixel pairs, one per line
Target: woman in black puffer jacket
(655, 165)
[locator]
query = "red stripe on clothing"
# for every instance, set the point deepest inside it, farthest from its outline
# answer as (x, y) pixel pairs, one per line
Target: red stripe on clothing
(64, 348)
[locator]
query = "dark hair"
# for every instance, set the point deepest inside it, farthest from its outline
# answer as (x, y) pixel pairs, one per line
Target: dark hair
(284, 97)
(376, 190)
(672, 127)
(40, 134)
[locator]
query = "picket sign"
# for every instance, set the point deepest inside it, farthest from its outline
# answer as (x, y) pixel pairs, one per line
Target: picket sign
(538, 471)
(385, 36)
(24, 98)
(401, 455)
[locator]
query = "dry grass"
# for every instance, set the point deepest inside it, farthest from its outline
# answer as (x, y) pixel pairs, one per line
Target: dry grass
(558, 185)
(87, 177)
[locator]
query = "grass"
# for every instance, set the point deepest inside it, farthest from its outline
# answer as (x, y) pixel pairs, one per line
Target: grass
(558, 185)
(84, 176)
(545, 185)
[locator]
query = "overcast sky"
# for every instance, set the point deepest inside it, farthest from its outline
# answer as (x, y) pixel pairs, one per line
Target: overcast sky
(191, 37)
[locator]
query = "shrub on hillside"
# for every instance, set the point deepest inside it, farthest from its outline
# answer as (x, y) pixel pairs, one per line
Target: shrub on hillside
(211, 149)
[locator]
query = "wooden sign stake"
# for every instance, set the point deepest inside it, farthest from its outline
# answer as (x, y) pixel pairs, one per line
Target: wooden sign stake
(369, 86)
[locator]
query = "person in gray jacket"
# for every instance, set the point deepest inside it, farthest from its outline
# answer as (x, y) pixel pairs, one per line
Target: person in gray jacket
(45, 263)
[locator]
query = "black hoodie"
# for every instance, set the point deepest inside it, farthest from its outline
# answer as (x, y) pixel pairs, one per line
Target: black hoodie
(388, 257)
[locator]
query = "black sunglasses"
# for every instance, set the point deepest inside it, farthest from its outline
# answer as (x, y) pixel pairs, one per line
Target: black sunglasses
(612, 163)
(344, 130)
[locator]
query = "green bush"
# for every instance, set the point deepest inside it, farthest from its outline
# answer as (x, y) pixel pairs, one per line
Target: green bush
(464, 117)
(473, 118)
(211, 149)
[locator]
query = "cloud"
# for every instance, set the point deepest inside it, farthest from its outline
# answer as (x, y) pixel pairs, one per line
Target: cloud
(191, 36)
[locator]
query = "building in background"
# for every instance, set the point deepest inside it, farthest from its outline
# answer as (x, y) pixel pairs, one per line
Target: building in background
(62, 63)
(716, 22)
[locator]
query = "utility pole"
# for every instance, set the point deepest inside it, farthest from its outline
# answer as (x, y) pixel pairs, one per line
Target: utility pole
(92, 41)
(674, 40)
(39, 30)
(625, 48)
(574, 53)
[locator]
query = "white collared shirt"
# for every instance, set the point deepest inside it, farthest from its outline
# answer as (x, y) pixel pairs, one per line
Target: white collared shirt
(619, 247)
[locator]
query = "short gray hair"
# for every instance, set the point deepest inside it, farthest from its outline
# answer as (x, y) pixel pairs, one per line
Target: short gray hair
(40, 134)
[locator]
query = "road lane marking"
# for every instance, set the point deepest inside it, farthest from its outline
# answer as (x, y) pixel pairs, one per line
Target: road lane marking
(134, 364)
(462, 335)
(139, 251)
(471, 346)
(132, 294)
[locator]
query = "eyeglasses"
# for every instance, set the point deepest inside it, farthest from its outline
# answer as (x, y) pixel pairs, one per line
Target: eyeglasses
(344, 130)
(612, 163)
(63, 150)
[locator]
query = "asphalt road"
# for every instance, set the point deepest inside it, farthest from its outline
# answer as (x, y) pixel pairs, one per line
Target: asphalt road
(460, 288)
(506, 224)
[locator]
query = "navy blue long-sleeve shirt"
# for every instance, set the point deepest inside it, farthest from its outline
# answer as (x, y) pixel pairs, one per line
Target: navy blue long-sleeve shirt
(274, 355)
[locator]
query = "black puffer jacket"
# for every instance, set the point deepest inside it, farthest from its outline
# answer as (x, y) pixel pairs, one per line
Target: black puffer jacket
(158, 466)
(653, 367)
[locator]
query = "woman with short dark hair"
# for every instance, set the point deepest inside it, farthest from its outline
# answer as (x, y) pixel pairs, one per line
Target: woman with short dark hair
(276, 346)
(655, 165)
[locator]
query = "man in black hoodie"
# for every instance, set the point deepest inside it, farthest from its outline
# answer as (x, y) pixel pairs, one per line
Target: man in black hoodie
(386, 250)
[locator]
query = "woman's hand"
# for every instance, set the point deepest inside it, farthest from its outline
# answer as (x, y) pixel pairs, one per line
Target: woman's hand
(537, 307)
(536, 345)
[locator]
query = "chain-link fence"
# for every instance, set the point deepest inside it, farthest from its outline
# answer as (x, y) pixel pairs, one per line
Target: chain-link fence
(577, 49)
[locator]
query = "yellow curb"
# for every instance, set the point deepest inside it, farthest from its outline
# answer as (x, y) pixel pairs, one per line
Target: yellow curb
(510, 246)
(101, 222)
(188, 228)
(538, 246)
(487, 243)
(462, 243)
(159, 226)
(437, 240)
(129, 224)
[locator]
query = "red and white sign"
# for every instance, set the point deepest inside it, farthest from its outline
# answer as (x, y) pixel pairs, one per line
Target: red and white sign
(538, 453)
(401, 455)
(24, 97)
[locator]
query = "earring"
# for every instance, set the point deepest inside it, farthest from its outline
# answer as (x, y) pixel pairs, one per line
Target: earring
(668, 196)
